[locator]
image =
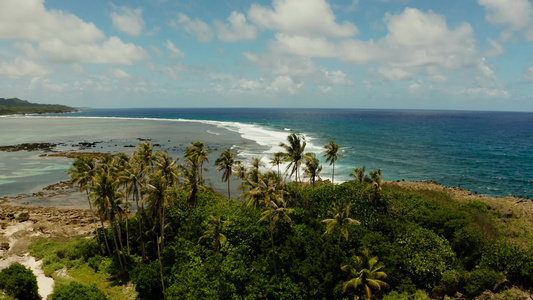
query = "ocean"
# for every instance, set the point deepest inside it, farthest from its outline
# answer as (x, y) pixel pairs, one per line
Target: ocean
(490, 153)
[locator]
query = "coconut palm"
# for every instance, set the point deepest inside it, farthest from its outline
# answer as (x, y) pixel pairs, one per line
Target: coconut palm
(197, 155)
(267, 188)
(312, 168)
(105, 194)
(341, 220)
(240, 171)
(82, 173)
(294, 148)
(365, 274)
(375, 177)
(294, 155)
(275, 212)
(145, 154)
(133, 179)
(331, 154)
(225, 163)
(277, 159)
(359, 174)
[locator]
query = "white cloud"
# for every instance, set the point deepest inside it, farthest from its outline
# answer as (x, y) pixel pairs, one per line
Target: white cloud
(47, 85)
(196, 27)
(113, 52)
(336, 77)
(238, 30)
(21, 68)
(496, 49)
(311, 18)
(294, 66)
(173, 51)
(394, 74)
(120, 74)
(283, 84)
(516, 15)
(29, 20)
(529, 74)
(128, 21)
(415, 86)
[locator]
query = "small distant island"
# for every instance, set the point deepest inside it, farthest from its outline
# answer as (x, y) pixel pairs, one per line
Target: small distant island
(14, 106)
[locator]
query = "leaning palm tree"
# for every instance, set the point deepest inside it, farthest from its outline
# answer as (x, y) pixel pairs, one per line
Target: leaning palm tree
(240, 171)
(365, 274)
(341, 220)
(312, 171)
(276, 211)
(359, 174)
(277, 159)
(331, 154)
(225, 163)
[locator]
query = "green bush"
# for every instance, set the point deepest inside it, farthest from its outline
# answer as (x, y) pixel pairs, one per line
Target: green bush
(418, 295)
(77, 291)
(480, 280)
(19, 282)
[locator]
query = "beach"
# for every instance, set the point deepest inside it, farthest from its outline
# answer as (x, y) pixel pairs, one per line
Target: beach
(34, 148)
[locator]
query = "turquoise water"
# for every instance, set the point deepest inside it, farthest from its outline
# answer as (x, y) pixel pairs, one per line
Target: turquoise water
(486, 152)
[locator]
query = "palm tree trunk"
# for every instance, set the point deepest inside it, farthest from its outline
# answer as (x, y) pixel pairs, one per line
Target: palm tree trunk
(139, 217)
(273, 248)
(95, 225)
(161, 269)
(229, 192)
(116, 245)
(105, 237)
(333, 174)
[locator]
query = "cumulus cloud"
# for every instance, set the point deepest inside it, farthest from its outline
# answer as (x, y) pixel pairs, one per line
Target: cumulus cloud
(113, 51)
(21, 68)
(173, 51)
(496, 49)
(516, 15)
(336, 77)
(128, 21)
(294, 66)
(309, 18)
(29, 20)
(120, 74)
(238, 29)
(197, 28)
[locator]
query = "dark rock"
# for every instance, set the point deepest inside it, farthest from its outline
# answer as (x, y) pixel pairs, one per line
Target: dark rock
(4, 246)
(22, 217)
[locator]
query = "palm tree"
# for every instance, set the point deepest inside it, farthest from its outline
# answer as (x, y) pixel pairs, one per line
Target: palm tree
(276, 211)
(277, 159)
(225, 162)
(240, 171)
(312, 171)
(294, 152)
(145, 154)
(331, 154)
(265, 190)
(341, 220)
(197, 155)
(359, 174)
(377, 181)
(133, 179)
(215, 227)
(105, 194)
(365, 274)
(82, 173)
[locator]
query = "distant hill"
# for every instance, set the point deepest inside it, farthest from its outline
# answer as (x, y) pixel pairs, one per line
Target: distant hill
(15, 106)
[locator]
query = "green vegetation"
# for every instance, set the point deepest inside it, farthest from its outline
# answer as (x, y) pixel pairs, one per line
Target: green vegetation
(284, 240)
(16, 106)
(19, 282)
(77, 291)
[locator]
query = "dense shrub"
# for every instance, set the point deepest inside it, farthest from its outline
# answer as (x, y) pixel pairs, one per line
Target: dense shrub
(77, 291)
(19, 282)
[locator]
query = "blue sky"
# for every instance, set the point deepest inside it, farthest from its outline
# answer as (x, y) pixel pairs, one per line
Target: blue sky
(421, 54)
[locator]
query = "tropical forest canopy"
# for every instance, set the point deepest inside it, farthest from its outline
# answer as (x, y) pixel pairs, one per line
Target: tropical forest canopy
(14, 106)
(290, 234)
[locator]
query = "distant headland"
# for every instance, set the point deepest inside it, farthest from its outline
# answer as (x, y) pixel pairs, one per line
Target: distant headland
(15, 106)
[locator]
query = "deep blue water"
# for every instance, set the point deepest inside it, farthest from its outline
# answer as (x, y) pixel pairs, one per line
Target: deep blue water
(489, 153)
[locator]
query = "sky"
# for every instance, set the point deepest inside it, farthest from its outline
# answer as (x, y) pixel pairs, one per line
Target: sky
(393, 54)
